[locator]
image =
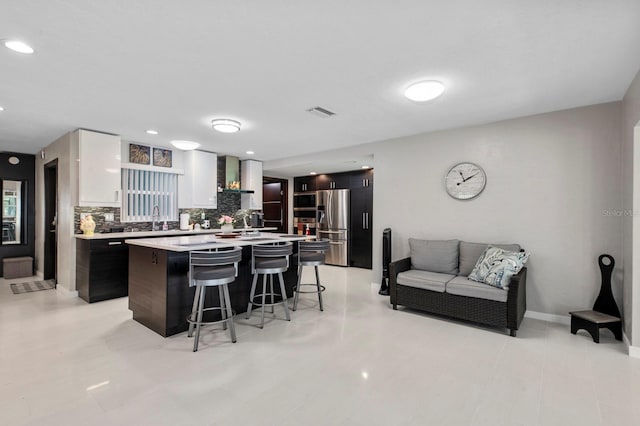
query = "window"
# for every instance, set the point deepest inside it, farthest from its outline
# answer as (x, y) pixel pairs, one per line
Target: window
(144, 189)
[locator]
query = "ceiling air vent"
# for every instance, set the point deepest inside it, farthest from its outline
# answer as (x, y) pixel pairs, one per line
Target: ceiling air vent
(321, 112)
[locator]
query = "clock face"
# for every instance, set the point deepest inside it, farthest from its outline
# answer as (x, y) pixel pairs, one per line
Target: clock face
(465, 181)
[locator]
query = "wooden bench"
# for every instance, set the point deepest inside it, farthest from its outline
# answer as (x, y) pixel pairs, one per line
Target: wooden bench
(593, 321)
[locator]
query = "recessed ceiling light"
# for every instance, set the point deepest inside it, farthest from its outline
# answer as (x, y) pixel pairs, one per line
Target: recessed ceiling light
(1, 109)
(424, 91)
(365, 167)
(250, 152)
(225, 125)
(18, 46)
(185, 145)
(312, 173)
(152, 132)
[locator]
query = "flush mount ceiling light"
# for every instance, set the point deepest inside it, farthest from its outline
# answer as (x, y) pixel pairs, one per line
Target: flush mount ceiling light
(424, 90)
(152, 132)
(225, 125)
(18, 46)
(185, 145)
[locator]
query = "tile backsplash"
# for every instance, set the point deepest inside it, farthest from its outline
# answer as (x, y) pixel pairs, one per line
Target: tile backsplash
(228, 204)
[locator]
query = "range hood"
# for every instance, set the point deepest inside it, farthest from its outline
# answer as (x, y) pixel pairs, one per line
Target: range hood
(229, 175)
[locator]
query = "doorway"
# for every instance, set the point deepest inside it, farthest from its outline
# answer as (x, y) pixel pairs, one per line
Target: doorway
(274, 203)
(51, 220)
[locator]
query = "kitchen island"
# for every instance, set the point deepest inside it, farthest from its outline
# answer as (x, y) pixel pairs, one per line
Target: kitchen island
(159, 293)
(102, 260)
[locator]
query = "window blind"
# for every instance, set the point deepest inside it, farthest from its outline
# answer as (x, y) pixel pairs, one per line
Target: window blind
(144, 189)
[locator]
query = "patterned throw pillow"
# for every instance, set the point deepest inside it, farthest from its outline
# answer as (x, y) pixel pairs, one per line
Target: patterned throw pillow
(496, 266)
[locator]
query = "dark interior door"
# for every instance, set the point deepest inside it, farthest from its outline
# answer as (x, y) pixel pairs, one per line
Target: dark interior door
(50, 220)
(274, 203)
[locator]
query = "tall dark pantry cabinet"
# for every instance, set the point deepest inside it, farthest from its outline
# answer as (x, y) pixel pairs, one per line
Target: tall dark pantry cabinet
(361, 185)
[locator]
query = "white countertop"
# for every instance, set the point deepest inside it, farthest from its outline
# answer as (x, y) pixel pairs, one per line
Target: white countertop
(98, 236)
(203, 242)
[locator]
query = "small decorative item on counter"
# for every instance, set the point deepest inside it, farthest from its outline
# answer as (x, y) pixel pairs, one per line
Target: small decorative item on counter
(233, 184)
(242, 215)
(226, 223)
(165, 227)
(87, 225)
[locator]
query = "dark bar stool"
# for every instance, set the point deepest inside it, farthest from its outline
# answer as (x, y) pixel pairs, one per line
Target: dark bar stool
(269, 260)
(310, 253)
(212, 269)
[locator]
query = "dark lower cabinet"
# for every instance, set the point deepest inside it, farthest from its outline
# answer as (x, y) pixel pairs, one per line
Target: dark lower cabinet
(102, 269)
(361, 227)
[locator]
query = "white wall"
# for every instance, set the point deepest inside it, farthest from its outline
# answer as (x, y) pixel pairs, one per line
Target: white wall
(550, 180)
(631, 200)
(65, 149)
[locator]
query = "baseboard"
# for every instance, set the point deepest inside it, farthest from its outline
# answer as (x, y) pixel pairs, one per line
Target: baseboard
(64, 292)
(560, 319)
(634, 351)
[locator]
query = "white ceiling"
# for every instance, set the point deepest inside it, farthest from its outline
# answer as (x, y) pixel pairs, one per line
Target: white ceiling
(126, 66)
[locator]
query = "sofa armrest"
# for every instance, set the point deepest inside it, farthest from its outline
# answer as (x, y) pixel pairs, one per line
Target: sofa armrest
(394, 269)
(517, 300)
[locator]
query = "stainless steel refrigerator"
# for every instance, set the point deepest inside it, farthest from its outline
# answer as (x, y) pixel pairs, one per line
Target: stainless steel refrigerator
(333, 224)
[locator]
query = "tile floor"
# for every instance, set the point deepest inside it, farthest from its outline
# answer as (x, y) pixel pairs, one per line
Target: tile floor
(65, 362)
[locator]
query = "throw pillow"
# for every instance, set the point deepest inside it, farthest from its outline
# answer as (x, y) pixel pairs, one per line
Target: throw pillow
(496, 266)
(434, 255)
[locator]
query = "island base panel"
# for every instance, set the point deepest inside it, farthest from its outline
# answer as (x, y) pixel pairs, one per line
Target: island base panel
(159, 292)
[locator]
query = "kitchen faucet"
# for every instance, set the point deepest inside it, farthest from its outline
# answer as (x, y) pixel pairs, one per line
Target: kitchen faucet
(154, 217)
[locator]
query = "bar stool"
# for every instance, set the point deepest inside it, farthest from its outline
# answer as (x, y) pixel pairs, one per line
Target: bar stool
(310, 253)
(269, 260)
(212, 269)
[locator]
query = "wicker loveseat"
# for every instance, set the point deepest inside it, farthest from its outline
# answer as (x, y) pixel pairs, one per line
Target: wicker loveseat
(434, 279)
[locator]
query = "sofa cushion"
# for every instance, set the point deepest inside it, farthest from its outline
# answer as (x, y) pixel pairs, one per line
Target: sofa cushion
(433, 281)
(471, 252)
(463, 286)
(434, 255)
(496, 266)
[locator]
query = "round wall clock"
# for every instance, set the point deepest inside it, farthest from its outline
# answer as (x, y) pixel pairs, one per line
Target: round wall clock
(465, 181)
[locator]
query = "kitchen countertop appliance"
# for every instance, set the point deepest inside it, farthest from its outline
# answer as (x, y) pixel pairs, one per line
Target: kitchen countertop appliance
(257, 219)
(333, 210)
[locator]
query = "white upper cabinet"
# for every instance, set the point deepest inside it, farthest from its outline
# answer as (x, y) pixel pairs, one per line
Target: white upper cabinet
(198, 188)
(251, 179)
(99, 169)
